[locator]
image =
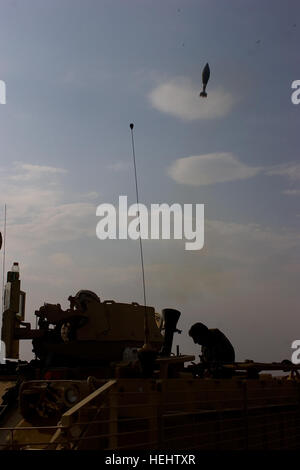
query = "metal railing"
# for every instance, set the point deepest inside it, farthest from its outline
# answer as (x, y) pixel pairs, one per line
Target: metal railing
(123, 414)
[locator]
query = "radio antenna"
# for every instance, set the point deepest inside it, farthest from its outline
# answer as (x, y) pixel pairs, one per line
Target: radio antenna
(146, 326)
(3, 261)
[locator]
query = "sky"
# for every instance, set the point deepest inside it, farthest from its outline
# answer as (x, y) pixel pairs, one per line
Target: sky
(77, 72)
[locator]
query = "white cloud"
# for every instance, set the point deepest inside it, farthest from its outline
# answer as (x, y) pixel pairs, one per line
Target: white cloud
(28, 172)
(290, 170)
(209, 169)
(36, 211)
(180, 97)
(249, 243)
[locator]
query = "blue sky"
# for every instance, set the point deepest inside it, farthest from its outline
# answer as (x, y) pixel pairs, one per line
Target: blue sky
(77, 73)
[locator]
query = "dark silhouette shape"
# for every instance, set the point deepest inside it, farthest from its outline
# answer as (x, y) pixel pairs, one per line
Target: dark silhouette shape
(216, 347)
(205, 78)
(170, 317)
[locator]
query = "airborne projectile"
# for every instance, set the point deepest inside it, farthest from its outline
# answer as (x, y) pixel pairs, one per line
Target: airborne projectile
(205, 78)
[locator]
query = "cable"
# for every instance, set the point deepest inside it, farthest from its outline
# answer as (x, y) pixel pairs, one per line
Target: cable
(140, 238)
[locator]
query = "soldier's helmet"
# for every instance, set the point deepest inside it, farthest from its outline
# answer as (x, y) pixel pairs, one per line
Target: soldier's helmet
(198, 331)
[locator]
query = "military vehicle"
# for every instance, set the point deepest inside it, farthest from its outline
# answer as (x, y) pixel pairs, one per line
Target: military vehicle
(104, 377)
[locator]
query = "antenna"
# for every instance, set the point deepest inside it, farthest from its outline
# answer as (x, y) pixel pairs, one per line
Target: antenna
(3, 263)
(146, 326)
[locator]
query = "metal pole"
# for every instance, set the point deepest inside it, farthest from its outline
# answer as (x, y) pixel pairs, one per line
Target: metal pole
(146, 326)
(3, 264)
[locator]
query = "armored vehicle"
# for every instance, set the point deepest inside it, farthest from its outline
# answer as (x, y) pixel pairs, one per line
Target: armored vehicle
(104, 377)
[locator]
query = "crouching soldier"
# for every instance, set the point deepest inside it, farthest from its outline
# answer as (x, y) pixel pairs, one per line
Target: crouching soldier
(217, 350)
